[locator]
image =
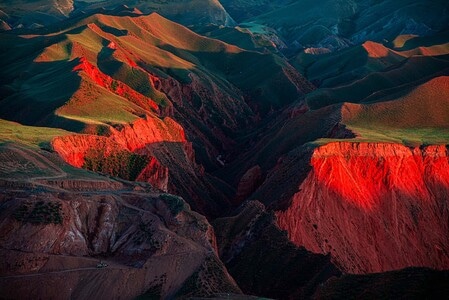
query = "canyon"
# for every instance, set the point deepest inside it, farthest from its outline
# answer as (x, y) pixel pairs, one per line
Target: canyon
(150, 154)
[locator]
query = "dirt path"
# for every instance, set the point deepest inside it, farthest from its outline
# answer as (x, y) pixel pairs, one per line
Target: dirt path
(111, 266)
(57, 272)
(36, 159)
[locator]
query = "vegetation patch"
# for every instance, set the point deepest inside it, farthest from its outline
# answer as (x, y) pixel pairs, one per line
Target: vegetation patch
(29, 135)
(208, 280)
(145, 235)
(39, 213)
(155, 290)
(175, 204)
(123, 164)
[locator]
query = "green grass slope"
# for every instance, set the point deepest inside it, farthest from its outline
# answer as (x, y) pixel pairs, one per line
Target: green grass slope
(415, 116)
(11, 132)
(376, 85)
(131, 51)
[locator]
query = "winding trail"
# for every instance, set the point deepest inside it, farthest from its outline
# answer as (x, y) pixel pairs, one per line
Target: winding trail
(37, 160)
(57, 272)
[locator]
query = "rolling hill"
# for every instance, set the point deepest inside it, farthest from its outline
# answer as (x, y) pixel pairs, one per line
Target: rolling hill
(40, 13)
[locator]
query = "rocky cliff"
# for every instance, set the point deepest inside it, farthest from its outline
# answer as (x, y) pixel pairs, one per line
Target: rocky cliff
(373, 206)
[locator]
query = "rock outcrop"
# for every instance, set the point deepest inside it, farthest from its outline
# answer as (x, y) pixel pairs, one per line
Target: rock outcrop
(250, 239)
(249, 182)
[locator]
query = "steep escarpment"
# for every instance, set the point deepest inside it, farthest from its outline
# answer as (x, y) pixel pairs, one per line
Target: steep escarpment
(90, 150)
(373, 206)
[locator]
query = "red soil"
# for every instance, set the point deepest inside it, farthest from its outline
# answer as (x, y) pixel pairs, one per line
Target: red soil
(374, 207)
(148, 131)
(376, 50)
(156, 174)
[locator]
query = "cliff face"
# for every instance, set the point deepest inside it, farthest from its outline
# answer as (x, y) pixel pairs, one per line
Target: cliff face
(132, 137)
(137, 138)
(373, 206)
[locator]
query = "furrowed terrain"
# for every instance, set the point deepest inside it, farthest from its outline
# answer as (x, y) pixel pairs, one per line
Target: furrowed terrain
(59, 222)
(282, 157)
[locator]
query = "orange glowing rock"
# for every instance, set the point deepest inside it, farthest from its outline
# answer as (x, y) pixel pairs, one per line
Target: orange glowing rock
(374, 206)
(115, 86)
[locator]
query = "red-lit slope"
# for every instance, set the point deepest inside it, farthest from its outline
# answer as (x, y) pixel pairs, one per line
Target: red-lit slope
(373, 206)
(114, 86)
(137, 137)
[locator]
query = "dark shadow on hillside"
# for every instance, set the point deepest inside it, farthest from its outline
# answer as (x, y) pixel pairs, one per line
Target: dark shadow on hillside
(205, 193)
(410, 283)
(263, 261)
(107, 63)
(425, 41)
(113, 31)
(371, 88)
(405, 89)
(262, 78)
(271, 145)
(286, 179)
(335, 68)
(37, 93)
